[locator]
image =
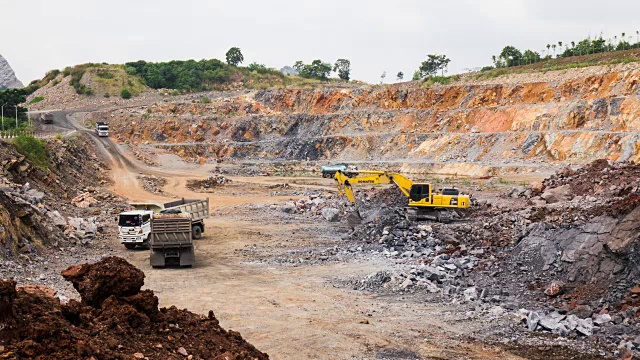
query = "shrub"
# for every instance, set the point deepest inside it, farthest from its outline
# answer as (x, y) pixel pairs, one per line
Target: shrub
(36, 100)
(104, 74)
(205, 100)
(125, 94)
(32, 148)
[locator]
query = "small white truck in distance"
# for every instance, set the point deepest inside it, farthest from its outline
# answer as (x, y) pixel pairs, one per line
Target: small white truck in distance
(134, 226)
(102, 129)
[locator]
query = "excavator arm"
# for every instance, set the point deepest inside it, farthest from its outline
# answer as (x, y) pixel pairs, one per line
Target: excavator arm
(402, 182)
(370, 177)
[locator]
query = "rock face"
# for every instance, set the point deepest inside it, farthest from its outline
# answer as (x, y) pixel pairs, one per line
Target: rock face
(468, 127)
(8, 78)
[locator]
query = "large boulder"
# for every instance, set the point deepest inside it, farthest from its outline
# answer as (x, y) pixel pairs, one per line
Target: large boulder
(110, 276)
(331, 214)
(561, 193)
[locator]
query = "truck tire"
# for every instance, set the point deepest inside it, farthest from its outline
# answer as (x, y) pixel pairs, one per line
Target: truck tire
(196, 232)
(130, 246)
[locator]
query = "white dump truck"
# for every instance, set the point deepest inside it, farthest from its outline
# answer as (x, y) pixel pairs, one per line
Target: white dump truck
(134, 226)
(102, 129)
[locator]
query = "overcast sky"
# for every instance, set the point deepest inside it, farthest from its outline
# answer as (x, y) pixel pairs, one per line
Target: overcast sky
(376, 35)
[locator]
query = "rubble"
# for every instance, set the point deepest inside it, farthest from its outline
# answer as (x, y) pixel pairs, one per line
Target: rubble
(84, 200)
(115, 320)
(153, 184)
(208, 183)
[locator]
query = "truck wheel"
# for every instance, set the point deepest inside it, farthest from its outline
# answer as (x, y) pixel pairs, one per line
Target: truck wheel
(130, 246)
(196, 232)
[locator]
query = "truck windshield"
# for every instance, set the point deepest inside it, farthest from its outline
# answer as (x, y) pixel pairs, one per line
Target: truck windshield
(129, 220)
(103, 128)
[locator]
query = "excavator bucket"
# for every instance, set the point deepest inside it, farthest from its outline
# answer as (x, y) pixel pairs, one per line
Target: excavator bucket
(354, 217)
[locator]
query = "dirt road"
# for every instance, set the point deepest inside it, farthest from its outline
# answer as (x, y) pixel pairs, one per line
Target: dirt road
(288, 311)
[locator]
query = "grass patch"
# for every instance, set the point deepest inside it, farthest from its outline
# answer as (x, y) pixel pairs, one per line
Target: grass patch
(441, 80)
(32, 148)
(205, 100)
(36, 100)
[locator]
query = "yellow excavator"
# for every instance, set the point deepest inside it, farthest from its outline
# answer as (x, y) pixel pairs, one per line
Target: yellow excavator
(424, 203)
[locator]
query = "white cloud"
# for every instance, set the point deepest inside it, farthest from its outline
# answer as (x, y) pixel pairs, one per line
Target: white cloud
(375, 35)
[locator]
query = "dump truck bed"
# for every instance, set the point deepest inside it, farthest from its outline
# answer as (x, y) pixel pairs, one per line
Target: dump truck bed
(170, 230)
(198, 209)
(170, 240)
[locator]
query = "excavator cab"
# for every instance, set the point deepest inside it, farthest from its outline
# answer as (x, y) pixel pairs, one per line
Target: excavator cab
(420, 191)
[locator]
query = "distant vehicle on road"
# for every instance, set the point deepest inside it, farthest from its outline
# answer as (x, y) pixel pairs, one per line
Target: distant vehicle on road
(102, 129)
(47, 118)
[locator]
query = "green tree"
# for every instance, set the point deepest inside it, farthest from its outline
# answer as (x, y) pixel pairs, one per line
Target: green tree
(316, 70)
(399, 76)
(530, 57)
(343, 68)
(511, 56)
(234, 56)
(548, 47)
(433, 64)
(11, 99)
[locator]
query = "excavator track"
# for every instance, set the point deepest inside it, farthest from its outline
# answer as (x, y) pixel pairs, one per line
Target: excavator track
(427, 214)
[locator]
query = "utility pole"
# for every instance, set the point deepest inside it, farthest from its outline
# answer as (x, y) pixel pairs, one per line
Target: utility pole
(2, 115)
(16, 116)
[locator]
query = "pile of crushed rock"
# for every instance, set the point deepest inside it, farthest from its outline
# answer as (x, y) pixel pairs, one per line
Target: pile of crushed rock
(207, 184)
(563, 256)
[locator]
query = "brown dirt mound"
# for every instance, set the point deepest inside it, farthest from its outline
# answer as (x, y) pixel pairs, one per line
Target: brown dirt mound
(110, 276)
(115, 320)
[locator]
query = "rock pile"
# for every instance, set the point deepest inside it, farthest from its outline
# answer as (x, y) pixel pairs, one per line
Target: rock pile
(114, 320)
(153, 184)
(328, 207)
(208, 183)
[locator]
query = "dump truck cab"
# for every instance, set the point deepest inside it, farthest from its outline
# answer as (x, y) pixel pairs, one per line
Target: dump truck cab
(134, 228)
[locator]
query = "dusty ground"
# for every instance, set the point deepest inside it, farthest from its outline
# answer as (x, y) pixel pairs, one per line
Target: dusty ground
(293, 311)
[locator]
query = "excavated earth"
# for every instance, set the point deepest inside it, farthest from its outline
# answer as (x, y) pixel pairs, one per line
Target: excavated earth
(114, 320)
(520, 124)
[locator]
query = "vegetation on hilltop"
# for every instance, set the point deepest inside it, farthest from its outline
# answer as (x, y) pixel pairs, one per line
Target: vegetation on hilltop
(511, 56)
